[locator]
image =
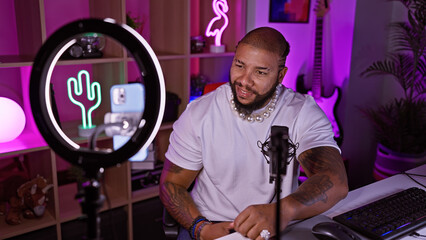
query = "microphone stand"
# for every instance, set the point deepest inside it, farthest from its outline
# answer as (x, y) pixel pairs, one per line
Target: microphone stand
(278, 151)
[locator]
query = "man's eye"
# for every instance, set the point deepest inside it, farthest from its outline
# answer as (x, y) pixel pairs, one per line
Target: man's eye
(261, 73)
(239, 65)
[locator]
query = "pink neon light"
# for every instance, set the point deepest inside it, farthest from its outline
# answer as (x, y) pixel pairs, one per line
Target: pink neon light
(12, 122)
(220, 7)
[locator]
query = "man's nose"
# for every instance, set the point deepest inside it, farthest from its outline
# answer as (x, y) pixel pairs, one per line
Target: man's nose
(246, 80)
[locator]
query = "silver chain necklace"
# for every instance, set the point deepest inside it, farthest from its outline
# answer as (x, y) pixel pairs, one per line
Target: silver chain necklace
(259, 117)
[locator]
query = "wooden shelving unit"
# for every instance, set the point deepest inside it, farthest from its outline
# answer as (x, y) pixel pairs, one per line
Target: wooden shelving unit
(167, 26)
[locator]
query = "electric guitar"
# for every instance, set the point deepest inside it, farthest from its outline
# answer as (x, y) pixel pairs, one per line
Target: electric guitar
(327, 104)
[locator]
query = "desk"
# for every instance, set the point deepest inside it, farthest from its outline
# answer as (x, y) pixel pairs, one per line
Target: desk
(375, 191)
(356, 198)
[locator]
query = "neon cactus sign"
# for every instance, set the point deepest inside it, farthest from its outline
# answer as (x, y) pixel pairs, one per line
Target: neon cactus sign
(220, 8)
(93, 90)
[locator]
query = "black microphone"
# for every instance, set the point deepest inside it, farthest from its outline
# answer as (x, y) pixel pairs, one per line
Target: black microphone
(278, 152)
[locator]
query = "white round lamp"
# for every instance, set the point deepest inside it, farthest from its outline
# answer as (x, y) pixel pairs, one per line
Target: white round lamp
(12, 120)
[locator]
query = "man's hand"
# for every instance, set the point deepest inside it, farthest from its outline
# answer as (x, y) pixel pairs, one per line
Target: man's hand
(216, 230)
(326, 185)
(256, 218)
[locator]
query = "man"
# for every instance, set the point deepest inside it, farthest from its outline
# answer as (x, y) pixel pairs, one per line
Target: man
(215, 143)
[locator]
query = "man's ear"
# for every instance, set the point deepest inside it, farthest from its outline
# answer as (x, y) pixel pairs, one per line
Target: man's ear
(282, 73)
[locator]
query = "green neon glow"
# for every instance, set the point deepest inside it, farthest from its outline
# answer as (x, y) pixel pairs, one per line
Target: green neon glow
(93, 90)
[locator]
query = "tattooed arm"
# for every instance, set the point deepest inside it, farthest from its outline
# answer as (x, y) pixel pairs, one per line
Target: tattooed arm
(326, 185)
(174, 184)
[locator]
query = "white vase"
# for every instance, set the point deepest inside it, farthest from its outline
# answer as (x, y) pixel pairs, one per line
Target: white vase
(389, 163)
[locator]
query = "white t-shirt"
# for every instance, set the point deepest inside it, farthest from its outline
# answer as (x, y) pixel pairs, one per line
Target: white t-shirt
(211, 137)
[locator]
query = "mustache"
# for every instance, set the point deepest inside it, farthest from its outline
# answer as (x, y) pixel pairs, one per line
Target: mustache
(246, 88)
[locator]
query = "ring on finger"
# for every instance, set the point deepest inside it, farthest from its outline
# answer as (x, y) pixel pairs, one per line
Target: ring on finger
(265, 234)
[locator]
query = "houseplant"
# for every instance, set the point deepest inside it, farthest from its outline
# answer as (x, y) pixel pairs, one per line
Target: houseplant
(400, 125)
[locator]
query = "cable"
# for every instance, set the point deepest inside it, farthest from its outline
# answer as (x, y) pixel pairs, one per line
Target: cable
(98, 130)
(413, 174)
(264, 149)
(417, 235)
(273, 197)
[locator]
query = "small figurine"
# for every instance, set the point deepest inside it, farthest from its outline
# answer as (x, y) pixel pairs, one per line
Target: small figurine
(30, 201)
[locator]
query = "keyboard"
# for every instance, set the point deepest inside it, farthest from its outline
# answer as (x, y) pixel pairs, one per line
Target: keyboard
(390, 217)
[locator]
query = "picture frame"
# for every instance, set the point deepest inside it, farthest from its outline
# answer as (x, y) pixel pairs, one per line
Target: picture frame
(289, 11)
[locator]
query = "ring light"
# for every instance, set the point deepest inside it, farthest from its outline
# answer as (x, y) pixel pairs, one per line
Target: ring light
(149, 67)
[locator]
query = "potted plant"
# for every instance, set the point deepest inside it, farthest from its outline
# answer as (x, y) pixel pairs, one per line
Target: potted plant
(400, 125)
(134, 22)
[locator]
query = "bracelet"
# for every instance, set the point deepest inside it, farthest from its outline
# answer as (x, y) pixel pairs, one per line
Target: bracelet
(198, 233)
(194, 224)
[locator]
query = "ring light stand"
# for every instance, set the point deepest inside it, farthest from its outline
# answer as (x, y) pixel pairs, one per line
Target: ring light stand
(90, 160)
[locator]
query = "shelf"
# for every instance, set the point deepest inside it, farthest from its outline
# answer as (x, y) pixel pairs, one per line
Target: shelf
(169, 31)
(27, 225)
(31, 142)
(69, 207)
(70, 129)
(170, 57)
(212, 55)
(144, 194)
(7, 61)
(163, 56)
(166, 25)
(202, 10)
(116, 199)
(25, 143)
(104, 59)
(207, 67)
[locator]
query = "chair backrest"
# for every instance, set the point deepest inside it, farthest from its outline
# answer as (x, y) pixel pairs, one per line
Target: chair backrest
(170, 226)
(211, 87)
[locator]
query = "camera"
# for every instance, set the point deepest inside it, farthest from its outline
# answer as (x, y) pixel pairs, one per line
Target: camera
(89, 45)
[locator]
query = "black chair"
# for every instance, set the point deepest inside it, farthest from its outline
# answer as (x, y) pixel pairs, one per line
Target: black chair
(170, 226)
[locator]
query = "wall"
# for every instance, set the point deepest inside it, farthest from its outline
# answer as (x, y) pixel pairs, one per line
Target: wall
(355, 34)
(370, 43)
(338, 25)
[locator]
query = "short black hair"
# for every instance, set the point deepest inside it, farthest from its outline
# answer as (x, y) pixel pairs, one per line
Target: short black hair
(269, 39)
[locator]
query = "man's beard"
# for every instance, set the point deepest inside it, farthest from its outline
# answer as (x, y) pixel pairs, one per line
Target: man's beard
(258, 102)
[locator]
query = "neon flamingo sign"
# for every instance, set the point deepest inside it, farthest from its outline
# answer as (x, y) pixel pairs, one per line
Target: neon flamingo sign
(220, 8)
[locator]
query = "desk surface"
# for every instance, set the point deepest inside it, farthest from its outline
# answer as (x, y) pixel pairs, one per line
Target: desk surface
(377, 190)
(356, 198)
